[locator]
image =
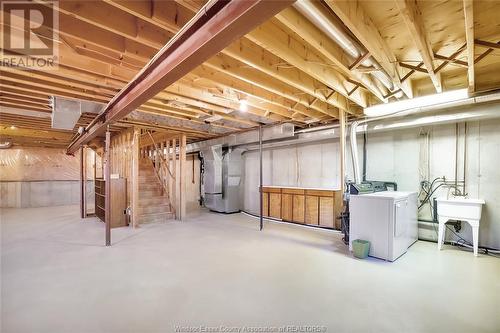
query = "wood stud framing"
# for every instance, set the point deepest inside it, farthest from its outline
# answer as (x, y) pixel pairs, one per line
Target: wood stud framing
(98, 57)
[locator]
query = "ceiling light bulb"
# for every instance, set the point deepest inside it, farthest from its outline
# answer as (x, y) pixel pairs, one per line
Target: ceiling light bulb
(13, 127)
(243, 105)
(417, 102)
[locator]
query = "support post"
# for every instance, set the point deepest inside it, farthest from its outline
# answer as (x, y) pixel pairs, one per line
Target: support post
(182, 180)
(85, 181)
(107, 182)
(167, 161)
(175, 181)
(261, 218)
(342, 144)
(135, 178)
(342, 149)
(82, 187)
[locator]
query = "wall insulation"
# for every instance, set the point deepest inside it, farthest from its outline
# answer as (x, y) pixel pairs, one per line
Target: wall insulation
(405, 156)
(36, 177)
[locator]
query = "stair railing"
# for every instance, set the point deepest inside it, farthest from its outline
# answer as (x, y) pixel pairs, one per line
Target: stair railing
(162, 170)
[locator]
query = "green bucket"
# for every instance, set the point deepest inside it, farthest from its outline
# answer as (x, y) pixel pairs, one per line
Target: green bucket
(360, 248)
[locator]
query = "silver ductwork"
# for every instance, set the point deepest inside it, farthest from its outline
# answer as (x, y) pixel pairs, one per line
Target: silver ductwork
(473, 109)
(448, 113)
(354, 152)
(66, 112)
(221, 178)
(281, 131)
(320, 16)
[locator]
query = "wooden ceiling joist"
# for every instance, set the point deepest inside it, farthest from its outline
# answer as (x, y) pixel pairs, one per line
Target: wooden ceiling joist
(320, 42)
(277, 41)
(469, 37)
(287, 70)
(413, 20)
(207, 34)
(361, 25)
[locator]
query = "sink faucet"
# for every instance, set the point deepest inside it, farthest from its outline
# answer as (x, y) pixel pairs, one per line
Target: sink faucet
(456, 193)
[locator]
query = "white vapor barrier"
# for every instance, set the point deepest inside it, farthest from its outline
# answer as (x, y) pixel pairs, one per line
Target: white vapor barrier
(405, 156)
(309, 165)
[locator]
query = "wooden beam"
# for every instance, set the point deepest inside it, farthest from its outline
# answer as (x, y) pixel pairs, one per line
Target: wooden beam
(135, 178)
(277, 41)
(124, 24)
(358, 61)
(417, 68)
(451, 58)
(268, 99)
(414, 22)
(313, 36)
(175, 180)
(487, 44)
(52, 135)
(182, 176)
(469, 37)
(164, 14)
(361, 25)
(342, 160)
(293, 85)
(209, 32)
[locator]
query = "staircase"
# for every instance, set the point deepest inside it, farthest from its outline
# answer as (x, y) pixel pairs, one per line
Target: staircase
(153, 204)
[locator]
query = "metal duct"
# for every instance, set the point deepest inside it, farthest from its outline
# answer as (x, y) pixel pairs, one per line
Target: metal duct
(66, 112)
(354, 152)
(275, 132)
(221, 178)
(423, 119)
(450, 114)
(321, 17)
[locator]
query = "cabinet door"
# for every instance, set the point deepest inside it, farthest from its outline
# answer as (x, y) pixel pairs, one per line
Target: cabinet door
(312, 213)
(275, 205)
(298, 208)
(326, 216)
(286, 207)
(265, 204)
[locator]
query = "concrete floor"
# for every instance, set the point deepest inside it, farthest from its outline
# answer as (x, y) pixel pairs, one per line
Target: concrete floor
(219, 270)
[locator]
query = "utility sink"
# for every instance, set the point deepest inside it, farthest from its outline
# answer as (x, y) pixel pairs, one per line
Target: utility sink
(463, 209)
(460, 208)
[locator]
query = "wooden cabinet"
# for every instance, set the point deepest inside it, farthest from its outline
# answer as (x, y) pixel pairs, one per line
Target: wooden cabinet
(305, 206)
(118, 204)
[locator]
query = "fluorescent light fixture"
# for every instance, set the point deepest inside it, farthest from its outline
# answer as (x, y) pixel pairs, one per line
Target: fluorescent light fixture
(243, 105)
(418, 102)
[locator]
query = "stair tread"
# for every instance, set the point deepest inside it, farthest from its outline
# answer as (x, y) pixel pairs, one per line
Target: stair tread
(161, 204)
(155, 214)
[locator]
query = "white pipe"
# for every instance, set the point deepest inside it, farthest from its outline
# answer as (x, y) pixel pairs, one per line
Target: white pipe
(354, 151)
(456, 115)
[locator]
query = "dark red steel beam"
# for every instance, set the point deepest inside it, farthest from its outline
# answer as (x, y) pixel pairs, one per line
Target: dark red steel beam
(215, 26)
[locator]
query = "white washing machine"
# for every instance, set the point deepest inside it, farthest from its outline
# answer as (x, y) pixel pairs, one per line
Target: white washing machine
(388, 220)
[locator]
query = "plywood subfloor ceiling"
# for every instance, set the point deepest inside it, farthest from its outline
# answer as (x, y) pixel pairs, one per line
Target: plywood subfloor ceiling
(287, 69)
